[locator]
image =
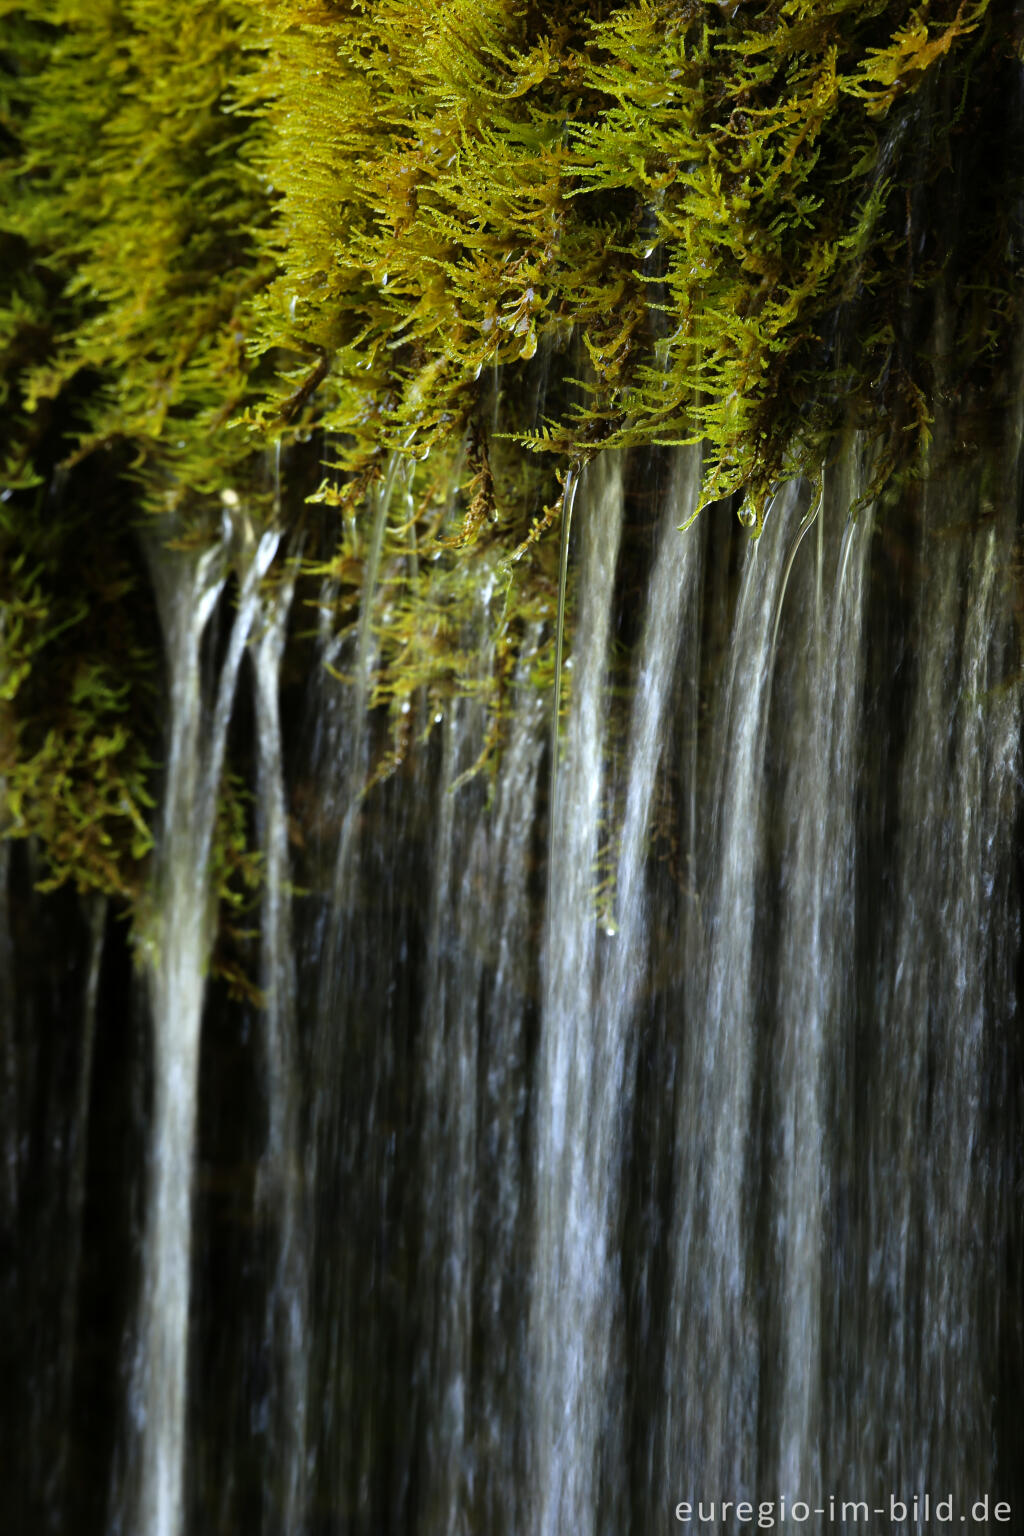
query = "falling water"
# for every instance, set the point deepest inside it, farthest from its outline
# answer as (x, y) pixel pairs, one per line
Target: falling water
(713, 1338)
(497, 917)
(577, 1112)
(944, 1006)
(645, 1142)
(673, 590)
(177, 951)
(357, 710)
(282, 1185)
(816, 962)
(77, 1157)
(450, 1137)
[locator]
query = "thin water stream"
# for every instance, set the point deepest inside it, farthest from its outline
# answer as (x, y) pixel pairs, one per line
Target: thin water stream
(282, 1186)
(177, 952)
(576, 1116)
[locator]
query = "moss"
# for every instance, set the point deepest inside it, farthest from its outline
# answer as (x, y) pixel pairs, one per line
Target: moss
(491, 239)
(756, 175)
(130, 219)
(78, 692)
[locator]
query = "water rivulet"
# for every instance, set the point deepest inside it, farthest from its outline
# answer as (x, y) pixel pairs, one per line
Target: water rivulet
(631, 1129)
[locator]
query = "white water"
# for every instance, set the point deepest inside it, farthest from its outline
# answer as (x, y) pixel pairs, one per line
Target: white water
(177, 951)
(577, 1126)
(943, 1010)
(816, 979)
(712, 1331)
(282, 1185)
(579, 1203)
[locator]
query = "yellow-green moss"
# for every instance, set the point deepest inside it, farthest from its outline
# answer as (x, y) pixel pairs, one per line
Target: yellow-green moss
(490, 237)
(720, 204)
(130, 215)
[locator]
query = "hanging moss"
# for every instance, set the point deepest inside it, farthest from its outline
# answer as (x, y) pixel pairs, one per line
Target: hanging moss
(675, 222)
(490, 239)
(458, 188)
(129, 224)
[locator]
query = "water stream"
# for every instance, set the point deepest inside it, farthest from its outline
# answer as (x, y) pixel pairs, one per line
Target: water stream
(283, 1188)
(633, 1128)
(177, 953)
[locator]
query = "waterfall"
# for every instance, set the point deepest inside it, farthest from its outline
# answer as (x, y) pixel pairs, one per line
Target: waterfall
(480, 976)
(503, 932)
(646, 1140)
(77, 1160)
(668, 627)
(177, 952)
(282, 1184)
(450, 1133)
(357, 708)
(713, 1338)
(946, 999)
(826, 617)
(577, 1113)
(511, 767)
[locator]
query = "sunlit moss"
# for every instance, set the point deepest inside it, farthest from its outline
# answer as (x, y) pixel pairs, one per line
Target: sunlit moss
(130, 215)
(722, 205)
(490, 237)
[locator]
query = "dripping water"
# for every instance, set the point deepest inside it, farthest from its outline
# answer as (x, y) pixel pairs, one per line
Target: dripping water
(577, 1207)
(176, 954)
(565, 532)
(822, 687)
(282, 1190)
(355, 709)
(572, 1302)
(712, 1337)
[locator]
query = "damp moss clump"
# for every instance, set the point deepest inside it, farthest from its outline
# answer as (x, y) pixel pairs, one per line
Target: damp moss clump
(726, 223)
(129, 223)
(461, 250)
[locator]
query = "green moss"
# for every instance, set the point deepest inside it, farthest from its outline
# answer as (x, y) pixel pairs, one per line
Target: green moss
(129, 227)
(459, 188)
(226, 224)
